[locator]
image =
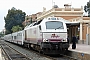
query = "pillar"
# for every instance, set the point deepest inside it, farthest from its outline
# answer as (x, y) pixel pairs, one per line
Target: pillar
(87, 29)
(80, 31)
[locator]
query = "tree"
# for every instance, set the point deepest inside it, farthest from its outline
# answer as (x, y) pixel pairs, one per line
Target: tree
(16, 28)
(87, 8)
(13, 18)
(1, 35)
(30, 20)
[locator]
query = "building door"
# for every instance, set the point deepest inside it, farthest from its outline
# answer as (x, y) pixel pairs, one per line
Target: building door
(72, 29)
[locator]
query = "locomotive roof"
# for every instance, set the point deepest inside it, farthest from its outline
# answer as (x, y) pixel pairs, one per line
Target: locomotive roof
(33, 24)
(29, 25)
(46, 19)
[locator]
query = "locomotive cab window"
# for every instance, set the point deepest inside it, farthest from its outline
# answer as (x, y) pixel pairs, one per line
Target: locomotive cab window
(54, 25)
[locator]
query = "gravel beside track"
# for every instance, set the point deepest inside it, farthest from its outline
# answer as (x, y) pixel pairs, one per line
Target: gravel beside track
(32, 55)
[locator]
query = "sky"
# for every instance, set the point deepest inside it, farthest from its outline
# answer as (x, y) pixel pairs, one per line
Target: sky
(34, 6)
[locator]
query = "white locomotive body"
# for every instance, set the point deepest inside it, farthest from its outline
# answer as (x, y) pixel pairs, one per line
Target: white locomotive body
(50, 35)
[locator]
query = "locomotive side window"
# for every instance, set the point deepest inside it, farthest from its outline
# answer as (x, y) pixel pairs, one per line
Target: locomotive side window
(54, 25)
(35, 24)
(39, 22)
(40, 27)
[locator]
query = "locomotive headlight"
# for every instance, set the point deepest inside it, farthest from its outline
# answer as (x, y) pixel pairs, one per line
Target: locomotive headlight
(64, 40)
(45, 40)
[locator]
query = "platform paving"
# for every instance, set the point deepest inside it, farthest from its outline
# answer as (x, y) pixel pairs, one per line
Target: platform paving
(82, 51)
(82, 48)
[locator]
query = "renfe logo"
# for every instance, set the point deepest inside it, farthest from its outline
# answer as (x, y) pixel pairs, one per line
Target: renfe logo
(54, 36)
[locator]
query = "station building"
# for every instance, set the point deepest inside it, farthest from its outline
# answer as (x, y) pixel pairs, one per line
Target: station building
(80, 23)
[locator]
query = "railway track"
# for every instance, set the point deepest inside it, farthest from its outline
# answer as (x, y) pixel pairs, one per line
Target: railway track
(63, 57)
(12, 54)
(26, 54)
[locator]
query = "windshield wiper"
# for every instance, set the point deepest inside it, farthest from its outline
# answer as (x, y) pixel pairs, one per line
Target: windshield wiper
(58, 27)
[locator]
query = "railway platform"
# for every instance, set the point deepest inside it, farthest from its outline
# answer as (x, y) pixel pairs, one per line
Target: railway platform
(82, 52)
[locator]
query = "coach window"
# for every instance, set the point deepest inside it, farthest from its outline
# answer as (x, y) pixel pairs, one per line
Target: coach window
(14, 37)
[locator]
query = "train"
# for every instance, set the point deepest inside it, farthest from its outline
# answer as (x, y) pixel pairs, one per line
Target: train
(48, 35)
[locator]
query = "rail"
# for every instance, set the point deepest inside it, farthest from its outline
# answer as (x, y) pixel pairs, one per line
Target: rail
(13, 54)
